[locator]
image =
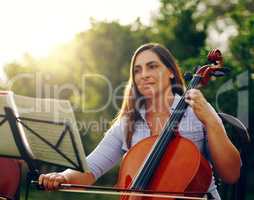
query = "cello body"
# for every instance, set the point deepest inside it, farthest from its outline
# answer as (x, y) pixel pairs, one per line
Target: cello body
(182, 168)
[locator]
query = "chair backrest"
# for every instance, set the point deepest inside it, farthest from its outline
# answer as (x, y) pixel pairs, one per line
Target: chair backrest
(10, 175)
(240, 138)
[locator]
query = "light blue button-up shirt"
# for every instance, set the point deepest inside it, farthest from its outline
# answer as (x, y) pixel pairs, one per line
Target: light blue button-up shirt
(113, 145)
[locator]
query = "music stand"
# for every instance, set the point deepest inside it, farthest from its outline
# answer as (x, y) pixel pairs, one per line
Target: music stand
(22, 131)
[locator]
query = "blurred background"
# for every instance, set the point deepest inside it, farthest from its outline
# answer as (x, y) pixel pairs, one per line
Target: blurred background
(80, 50)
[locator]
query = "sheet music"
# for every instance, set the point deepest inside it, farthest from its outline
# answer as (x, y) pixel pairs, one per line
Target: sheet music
(55, 111)
(52, 112)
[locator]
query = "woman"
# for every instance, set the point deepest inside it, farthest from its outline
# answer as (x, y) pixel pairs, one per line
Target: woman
(151, 95)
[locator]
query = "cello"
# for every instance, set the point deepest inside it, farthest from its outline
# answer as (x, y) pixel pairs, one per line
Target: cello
(169, 162)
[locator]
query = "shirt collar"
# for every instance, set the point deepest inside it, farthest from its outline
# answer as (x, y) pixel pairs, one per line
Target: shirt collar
(142, 109)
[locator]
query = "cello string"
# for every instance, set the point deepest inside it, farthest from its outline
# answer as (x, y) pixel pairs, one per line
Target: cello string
(139, 179)
(180, 109)
(182, 106)
(155, 155)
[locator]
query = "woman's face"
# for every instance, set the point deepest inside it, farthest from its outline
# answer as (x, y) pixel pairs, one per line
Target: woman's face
(151, 76)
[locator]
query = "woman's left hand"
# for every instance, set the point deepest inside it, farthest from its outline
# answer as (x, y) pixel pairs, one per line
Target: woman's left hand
(228, 164)
(200, 106)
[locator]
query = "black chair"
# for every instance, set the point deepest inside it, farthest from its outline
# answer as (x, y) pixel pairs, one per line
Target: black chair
(240, 137)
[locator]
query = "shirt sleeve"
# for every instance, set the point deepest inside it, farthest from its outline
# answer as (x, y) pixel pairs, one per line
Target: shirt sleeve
(108, 151)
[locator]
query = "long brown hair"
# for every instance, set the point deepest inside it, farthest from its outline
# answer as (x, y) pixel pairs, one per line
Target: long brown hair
(133, 99)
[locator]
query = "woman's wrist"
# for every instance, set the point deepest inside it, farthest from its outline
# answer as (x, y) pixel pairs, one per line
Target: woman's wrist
(211, 118)
(66, 175)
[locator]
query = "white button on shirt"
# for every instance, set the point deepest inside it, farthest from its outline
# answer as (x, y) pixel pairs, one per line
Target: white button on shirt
(113, 145)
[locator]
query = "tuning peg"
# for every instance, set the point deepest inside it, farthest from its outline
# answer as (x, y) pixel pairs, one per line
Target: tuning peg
(226, 70)
(196, 68)
(221, 72)
(188, 76)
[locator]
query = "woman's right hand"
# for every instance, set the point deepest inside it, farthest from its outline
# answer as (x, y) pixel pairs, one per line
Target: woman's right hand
(52, 181)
